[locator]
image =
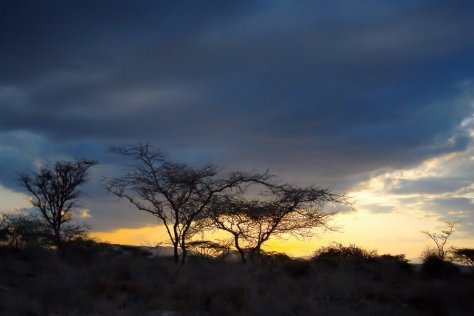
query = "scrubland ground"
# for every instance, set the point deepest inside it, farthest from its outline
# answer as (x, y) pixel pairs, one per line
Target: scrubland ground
(93, 281)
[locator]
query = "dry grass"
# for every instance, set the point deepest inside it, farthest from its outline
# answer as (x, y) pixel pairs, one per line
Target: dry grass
(99, 282)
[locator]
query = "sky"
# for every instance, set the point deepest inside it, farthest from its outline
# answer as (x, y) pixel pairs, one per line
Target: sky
(373, 98)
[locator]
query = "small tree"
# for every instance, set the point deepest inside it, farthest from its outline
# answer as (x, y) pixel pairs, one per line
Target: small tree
(231, 215)
(177, 194)
(464, 256)
(209, 249)
(19, 230)
(440, 239)
(282, 210)
(55, 193)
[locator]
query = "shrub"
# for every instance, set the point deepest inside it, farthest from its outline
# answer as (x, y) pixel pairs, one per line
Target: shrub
(435, 267)
(22, 231)
(272, 257)
(297, 268)
(395, 261)
(338, 251)
(84, 248)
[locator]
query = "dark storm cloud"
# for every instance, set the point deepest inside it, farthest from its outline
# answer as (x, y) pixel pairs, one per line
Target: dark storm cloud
(315, 90)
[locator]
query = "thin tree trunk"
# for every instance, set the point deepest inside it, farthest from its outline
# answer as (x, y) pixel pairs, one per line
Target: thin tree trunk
(255, 253)
(176, 239)
(60, 247)
(57, 239)
(175, 253)
(184, 254)
(240, 250)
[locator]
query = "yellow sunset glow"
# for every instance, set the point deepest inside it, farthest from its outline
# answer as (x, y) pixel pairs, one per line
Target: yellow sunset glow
(392, 233)
(144, 236)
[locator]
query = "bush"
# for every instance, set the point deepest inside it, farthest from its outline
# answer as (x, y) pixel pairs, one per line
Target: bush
(22, 231)
(337, 252)
(395, 262)
(84, 248)
(297, 268)
(271, 257)
(435, 267)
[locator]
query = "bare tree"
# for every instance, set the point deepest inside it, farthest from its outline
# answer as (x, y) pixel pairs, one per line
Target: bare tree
(440, 239)
(55, 193)
(283, 210)
(177, 194)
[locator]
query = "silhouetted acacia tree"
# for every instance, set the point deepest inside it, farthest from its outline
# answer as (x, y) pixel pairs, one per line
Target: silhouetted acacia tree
(281, 210)
(210, 249)
(440, 239)
(231, 215)
(177, 194)
(55, 193)
(464, 256)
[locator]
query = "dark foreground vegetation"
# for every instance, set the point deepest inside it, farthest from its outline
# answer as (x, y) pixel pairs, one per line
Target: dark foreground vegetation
(98, 279)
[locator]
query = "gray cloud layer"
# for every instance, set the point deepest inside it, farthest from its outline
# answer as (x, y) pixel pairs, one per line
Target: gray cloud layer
(319, 92)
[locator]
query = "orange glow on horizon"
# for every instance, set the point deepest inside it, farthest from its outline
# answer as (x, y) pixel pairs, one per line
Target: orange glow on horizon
(143, 236)
(391, 233)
